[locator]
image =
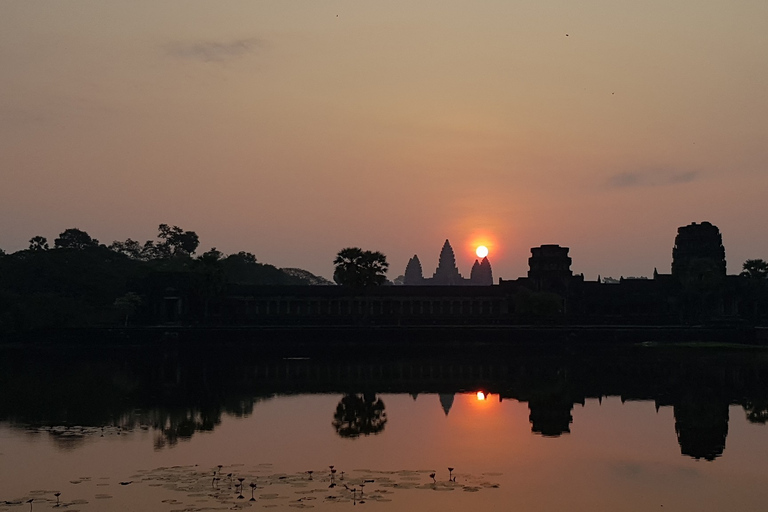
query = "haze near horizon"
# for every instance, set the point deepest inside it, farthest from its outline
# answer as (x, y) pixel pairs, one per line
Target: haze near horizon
(294, 129)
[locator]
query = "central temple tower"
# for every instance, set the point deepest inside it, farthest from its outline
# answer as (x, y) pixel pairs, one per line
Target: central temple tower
(447, 273)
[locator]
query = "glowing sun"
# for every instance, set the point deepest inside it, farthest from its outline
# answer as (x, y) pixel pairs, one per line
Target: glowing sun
(481, 251)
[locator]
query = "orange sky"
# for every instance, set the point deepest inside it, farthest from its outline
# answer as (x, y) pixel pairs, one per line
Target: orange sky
(293, 129)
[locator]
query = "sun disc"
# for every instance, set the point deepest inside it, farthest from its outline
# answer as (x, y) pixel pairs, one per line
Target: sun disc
(481, 251)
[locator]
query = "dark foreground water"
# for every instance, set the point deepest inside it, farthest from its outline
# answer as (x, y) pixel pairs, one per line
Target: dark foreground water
(170, 428)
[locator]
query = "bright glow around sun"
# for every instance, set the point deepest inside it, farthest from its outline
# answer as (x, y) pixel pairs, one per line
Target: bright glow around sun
(481, 251)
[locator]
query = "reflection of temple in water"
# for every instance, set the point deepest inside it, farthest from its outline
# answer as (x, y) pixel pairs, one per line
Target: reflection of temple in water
(701, 427)
(550, 416)
(198, 388)
(446, 401)
(552, 388)
(701, 416)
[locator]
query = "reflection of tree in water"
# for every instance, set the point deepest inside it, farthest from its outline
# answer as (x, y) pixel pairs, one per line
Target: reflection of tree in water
(175, 425)
(359, 414)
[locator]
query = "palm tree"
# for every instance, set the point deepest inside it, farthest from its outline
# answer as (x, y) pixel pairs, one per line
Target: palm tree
(359, 269)
(755, 269)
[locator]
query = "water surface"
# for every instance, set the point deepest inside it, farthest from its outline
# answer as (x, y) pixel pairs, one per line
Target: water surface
(147, 429)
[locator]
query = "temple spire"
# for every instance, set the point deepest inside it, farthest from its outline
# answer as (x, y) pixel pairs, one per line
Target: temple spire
(481, 273)
(446, 272)
(413, 273)
(475, 272)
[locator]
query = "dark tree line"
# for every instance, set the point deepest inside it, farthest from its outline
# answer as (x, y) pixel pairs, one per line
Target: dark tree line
(82, 282)
(174, 243)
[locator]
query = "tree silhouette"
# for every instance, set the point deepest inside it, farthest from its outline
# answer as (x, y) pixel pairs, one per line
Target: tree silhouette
(134, 249)
(359, 415)
(74, 238)
(755, 269)
(38, 243)
(182, 423)
(247, 257)
(413, 272)
(212, 256)
(176, 241)
(242, 268)
(306, 276)
(755, 289)
(359, 269)
(757, 410)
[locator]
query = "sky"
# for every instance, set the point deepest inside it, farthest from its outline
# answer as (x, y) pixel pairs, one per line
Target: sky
(294, 129)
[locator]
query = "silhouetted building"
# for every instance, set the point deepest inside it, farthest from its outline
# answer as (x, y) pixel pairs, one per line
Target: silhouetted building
(697, 291)
(550, 268)
(698, 251)
(698, 268)
(481, 273)
(447, 273)
(413, 273)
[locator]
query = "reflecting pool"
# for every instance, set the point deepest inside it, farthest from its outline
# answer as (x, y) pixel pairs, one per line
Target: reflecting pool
(178, 430)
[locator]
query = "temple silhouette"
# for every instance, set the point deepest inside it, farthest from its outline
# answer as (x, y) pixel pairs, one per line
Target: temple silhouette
(697, 291)
(446, 273)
